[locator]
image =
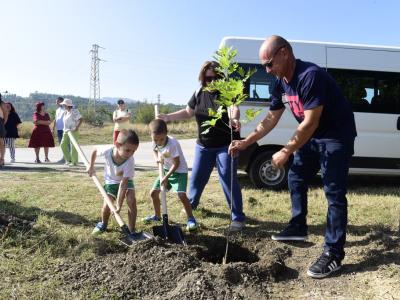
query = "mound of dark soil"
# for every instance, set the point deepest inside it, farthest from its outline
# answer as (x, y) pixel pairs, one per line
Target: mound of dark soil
(153, 269)
(7, 220)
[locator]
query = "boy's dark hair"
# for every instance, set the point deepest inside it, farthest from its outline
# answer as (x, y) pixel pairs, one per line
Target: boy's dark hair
(158, 126)
(128, 136)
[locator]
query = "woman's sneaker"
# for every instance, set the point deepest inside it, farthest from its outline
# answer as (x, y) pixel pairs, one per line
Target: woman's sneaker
(236, 226)
(99, 228)
(324, 266)
(290, 233)
(191, 225)
(151, 219)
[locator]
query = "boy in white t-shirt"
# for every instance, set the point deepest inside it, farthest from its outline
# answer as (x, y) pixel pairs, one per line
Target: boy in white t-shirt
(175, 172)
(119, 170)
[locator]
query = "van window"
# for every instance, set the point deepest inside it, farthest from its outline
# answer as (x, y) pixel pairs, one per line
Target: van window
(259, 90)
(370, 91)
(259, 87)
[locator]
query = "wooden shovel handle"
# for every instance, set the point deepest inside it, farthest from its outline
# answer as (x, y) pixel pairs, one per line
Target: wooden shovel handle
(164, 210)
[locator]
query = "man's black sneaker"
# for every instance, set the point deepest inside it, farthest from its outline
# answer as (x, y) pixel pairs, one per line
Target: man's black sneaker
(290, 233)
(325, 265)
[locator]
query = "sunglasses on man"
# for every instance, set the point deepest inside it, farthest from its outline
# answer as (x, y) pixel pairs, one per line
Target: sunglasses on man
(268, 64)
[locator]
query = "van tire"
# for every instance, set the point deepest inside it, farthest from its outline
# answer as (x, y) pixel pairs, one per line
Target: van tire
(264, 175)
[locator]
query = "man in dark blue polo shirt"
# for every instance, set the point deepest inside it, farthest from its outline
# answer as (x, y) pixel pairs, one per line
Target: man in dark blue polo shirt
(323, 140)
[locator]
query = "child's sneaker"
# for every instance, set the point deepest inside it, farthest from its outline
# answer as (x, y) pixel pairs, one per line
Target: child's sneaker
(191, 225)
(236, 226)
(99, 228)
(137, 236)
(151, 219)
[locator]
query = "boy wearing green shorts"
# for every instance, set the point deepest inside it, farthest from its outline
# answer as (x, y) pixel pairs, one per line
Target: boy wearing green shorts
(119, 170)
(169, 150)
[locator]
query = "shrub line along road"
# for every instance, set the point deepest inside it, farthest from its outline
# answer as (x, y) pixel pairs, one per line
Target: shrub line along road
(144, 159)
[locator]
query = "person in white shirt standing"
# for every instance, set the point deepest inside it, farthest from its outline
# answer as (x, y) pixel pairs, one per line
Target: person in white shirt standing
(121, 118)
(59, 123)
(72, 122)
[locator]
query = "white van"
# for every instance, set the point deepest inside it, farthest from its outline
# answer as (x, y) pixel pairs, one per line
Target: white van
(368, 75)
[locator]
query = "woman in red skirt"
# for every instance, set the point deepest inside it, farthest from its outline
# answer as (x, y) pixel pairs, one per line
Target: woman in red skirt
(41, 134)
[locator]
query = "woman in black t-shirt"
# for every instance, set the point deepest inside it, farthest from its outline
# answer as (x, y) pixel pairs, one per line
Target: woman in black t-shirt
(212, 148)
(12, 130)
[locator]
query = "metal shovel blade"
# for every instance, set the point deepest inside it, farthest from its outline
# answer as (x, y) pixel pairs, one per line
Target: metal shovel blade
(129, 239)
(171, 233)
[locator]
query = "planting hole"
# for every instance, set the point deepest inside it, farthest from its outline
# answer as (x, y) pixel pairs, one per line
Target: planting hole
(213, 250)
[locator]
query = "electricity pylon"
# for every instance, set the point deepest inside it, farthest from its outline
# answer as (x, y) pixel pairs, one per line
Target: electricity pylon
(94, 94)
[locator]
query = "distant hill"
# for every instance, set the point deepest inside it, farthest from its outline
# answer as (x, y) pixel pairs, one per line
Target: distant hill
(25, 106)
(113, 100)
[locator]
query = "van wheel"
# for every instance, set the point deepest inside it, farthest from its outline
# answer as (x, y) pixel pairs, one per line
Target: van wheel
(264, 175)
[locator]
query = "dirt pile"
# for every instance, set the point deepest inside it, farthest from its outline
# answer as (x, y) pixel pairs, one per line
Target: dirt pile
(10, 221)
(155, 270)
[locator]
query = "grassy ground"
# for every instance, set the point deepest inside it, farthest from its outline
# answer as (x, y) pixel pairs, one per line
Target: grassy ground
(62, 208)
(90, 135)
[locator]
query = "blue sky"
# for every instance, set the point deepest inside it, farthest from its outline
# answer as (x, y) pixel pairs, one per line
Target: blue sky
(157, 46)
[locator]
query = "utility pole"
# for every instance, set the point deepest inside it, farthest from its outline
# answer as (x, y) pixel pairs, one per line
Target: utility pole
(94, 94)
(159, 99)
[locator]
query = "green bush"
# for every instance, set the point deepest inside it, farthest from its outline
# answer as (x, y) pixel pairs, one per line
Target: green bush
(145, 113)
(98, 117)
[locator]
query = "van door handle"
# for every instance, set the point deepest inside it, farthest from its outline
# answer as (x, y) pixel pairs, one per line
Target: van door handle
(398, 123)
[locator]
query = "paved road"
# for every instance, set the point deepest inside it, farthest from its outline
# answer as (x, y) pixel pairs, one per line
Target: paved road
(25, 157)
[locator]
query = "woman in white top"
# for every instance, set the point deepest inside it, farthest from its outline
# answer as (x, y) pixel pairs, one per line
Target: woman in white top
(72, 121)
(121, 118)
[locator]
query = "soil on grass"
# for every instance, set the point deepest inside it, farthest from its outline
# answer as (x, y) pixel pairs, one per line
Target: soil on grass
(153, 269)
(257, 268)
(8, 221)
(370, 270)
